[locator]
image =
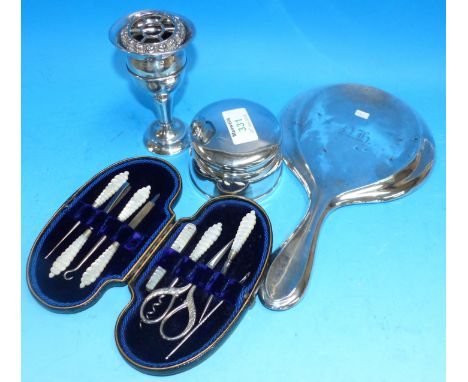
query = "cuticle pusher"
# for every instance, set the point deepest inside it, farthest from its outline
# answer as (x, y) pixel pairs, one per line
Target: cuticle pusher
(112, 187)
(97, 267)
(66, 257)
(135, 202)
(244, 230)
(178, 245)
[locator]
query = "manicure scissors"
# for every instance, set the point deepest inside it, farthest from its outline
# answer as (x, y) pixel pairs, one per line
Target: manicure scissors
(174, 292)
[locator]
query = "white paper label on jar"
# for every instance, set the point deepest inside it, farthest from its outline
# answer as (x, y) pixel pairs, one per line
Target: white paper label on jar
(361, 114)
(240, 126)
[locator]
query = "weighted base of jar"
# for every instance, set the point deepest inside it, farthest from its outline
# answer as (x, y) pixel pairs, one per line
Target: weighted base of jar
(166, 140)
(253, 190)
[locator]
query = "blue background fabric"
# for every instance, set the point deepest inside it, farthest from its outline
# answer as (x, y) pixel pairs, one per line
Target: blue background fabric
(375, 307)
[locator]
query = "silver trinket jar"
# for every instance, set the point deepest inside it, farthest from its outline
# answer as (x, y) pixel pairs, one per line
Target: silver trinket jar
(236, 149)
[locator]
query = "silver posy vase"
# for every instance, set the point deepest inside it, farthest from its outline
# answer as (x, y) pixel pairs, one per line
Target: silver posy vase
(155, 43)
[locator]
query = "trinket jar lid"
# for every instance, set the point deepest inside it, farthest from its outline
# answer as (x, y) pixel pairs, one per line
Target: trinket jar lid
(236, 149)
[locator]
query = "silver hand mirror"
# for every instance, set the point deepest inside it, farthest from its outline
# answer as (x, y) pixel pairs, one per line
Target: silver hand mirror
(347, 144)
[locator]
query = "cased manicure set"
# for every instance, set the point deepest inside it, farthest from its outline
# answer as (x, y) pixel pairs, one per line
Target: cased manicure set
(192, 279)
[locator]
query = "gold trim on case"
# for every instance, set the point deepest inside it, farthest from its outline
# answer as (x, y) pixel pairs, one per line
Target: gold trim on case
(248, 300)
(136, 267)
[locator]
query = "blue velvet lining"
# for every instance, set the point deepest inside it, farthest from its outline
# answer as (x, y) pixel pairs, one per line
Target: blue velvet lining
(141, 343)
(199, 274)
(59, 293)
(108, 225)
